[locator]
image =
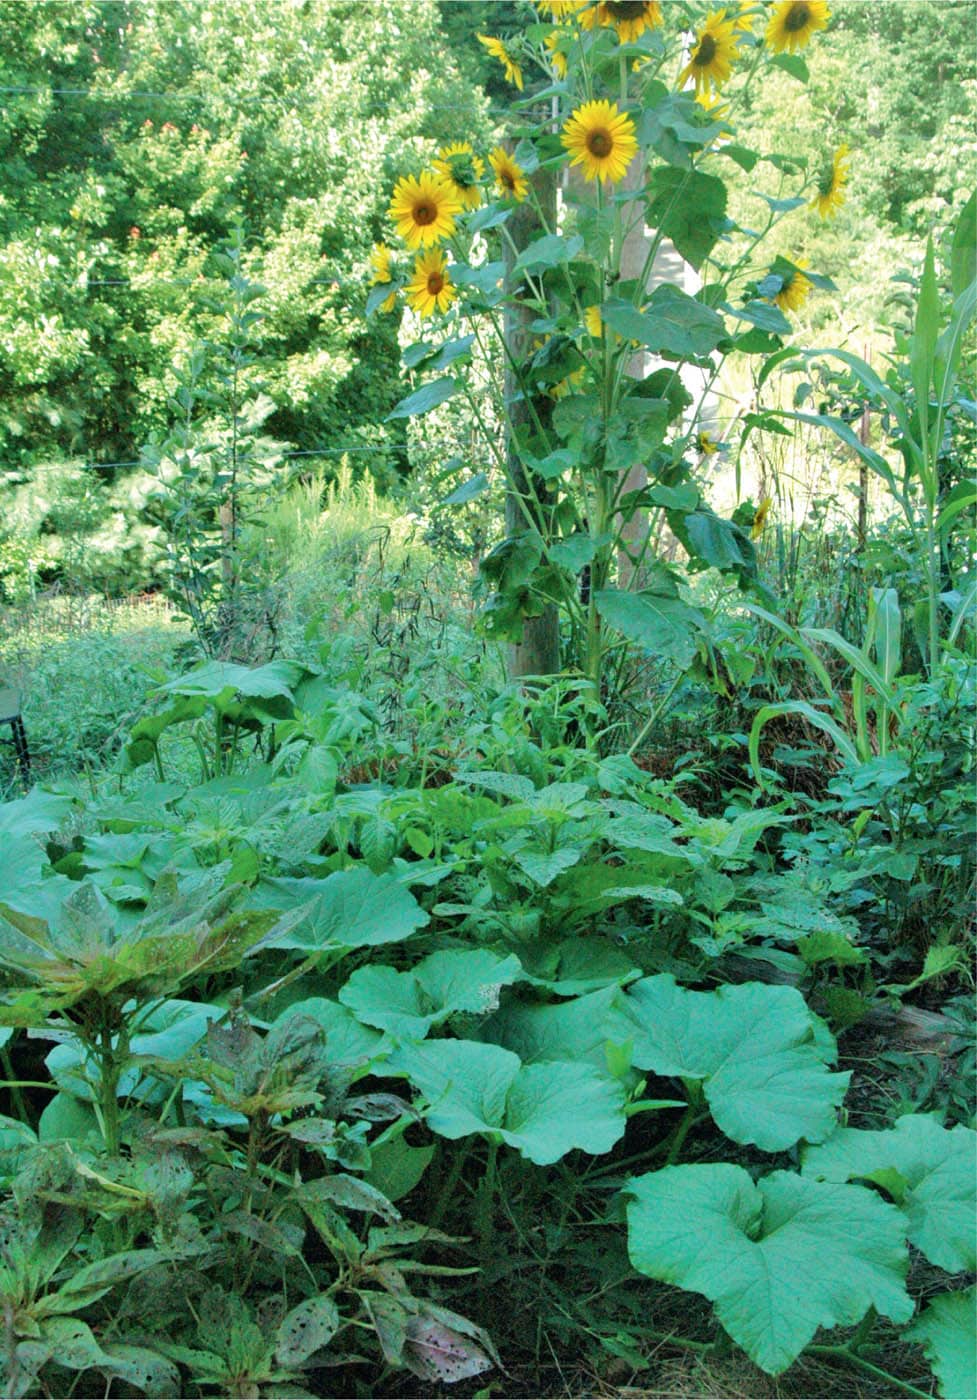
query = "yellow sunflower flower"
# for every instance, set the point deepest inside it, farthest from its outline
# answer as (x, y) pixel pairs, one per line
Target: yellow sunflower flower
(794, 22)
(745, 17)
(707, 446)
(560, 9)
(569, 385)
(510, 177)
(629, 17)
(714, 54)
(594, 322)
(463, 170)
(601, 138)
(431, 288)
(557, 58)
(831, 184)
(760, 519)
(424, 209)
(796, 288)
(380, 258)
(498, 50)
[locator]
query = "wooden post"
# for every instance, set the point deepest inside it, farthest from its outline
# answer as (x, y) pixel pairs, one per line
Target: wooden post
(538, 654)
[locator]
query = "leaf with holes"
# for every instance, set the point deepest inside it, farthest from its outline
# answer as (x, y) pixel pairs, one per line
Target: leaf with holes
(753, 1047)
(929, 1170)
(779, 1259)
(308, 1327)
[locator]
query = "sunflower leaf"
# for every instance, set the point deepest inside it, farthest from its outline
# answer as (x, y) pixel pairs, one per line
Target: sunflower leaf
(424, 399)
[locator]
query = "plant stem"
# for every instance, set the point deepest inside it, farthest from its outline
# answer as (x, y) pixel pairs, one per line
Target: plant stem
(681, 1132)
(844, 1355)
(446, 1188)
(484, 1212)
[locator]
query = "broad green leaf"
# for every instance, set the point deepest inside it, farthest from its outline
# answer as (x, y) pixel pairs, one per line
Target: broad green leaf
(349, 909)
(543, 867)
(348, 1042)
(753, 1047)
(549, 251)
(939, 1168)
(577, 1029)
(408, 1004)
(396, 1167)
(37, 812)
(947, 1331)
(543, 1110)
(577, 965)
(719, 543)
(467, 491)
(766, 315)
(424, 399)
(689, 207)
(672, 323)
(666, 626)
(779, 1259)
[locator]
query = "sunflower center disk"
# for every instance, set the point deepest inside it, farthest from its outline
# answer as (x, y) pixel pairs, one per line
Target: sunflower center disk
(435, 283)
(706, 51)
(424, 214)
(797, 18)
(625, 9)
(600, 144)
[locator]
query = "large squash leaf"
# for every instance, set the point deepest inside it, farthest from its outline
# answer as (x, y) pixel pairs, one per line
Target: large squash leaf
(408, 1004)
(779, 1259)
(348, 909)
(930, 1171)
(543, 1110)
(947, 1330)
(753, 1047)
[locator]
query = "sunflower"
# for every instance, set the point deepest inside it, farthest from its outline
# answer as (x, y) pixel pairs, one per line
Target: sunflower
(793, 22)
(745, 16)
(601, 139)
(510, 177)
(463, 170)
(795, 287)
(498, 50)
(760, 519)
(714, 53)
(594, 322)
(831, 184)
(560, 9)
(424, 209)
(380, 258)
(707, 446)
(629, 17)
(557, 57)
(431, 288)
(569, 385)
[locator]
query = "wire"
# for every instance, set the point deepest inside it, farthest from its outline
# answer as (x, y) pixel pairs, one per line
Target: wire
(107, 466)
(293, 100)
